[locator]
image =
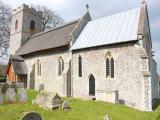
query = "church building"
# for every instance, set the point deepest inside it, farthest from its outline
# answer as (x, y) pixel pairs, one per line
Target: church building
(108, 59)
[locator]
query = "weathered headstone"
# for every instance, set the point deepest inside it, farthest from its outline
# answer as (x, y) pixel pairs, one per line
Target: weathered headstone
(5, 86)
(48, 100)
(11, 95)
(107, 118)
(31, 116)
(14, 86)
(65, 105)
(22, 95)
(20, 84)
(1, 98)
(41, 87)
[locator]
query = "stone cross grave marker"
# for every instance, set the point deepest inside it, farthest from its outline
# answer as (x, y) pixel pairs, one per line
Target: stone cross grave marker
(31, 116)
(11, 95)
(22, 95)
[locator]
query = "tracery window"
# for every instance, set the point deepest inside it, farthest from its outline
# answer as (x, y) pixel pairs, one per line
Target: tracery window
(109, 65)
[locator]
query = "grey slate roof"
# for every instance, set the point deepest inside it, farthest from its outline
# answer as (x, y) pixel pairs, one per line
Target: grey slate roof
(54, 38)
(17, 58)
(117, 28)
(19, 65)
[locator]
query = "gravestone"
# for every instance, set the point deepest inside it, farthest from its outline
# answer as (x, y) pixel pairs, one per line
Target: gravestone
(14, 86)
(22, 93)
(48, 100)
(11, 95)
(20, 84)
(4, 88)
(1, 98)
(107, 118)
(31, 116)
(65, 105)
(41, 87)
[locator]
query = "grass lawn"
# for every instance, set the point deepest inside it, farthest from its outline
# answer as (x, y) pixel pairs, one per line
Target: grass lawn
(80, 110)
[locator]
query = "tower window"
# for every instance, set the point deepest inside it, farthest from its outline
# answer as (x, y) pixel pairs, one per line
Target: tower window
(16, 24)
(32, 26)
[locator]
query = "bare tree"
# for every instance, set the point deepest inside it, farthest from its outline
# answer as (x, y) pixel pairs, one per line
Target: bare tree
(49, 18)
(5, 15)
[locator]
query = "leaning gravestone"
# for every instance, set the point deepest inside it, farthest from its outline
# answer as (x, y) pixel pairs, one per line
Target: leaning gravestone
(22, 93)
(11, 95)
(1, 98)
(48, 100)
(41, 87)
(65, 105)
(20, 84)
(31, 116)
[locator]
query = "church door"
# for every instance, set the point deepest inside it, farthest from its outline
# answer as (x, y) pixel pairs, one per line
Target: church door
(92, 85)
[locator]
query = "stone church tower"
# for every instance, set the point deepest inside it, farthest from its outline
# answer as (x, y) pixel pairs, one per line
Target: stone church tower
(25, 22)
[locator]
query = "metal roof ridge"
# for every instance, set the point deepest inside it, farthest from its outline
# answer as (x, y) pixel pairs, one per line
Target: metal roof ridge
(114, 14)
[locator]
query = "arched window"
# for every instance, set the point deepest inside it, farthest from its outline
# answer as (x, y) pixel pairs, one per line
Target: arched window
(112, 68)
(80, 66)
(60, 66)
(32, 26)
(16, 24)
(38, 68)
(107, 67)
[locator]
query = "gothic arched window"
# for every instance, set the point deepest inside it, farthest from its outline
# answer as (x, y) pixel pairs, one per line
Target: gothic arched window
(107, 67)
(32, 26)
(112, 68)
(16, 24)
(80, 66)
(38, 68)
(60, 66)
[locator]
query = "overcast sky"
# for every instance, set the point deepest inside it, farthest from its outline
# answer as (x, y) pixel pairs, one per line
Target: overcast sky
(73, 9)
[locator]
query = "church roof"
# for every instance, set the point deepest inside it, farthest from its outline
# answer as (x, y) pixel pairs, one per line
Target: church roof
(118, 28)
(53, 38)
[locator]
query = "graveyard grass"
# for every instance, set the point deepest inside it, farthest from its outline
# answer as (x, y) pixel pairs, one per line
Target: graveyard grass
(80, 110)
